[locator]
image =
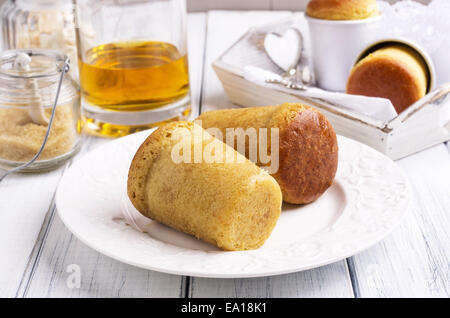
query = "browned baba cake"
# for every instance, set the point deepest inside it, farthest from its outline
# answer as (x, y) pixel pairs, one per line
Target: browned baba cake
(308, 150)
(342, 9)
(395, 72)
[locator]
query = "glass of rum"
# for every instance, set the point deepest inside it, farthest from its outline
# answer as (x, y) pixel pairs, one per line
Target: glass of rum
(132, 57)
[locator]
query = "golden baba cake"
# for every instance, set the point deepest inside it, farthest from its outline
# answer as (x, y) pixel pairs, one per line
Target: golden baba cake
(395, 72)
(232, 204)
(342, 9)
(308, 148)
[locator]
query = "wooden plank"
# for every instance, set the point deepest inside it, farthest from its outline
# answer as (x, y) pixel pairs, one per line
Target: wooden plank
(61, 252)
(62, 255)
(414, 260)
(205, 5)
(25, 200)
(29, 200)
(298, 5)
(327, 281)
(196, 41)
(87, 144)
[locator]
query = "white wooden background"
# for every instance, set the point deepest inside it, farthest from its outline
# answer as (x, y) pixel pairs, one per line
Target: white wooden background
(36, 248)
(203, 5)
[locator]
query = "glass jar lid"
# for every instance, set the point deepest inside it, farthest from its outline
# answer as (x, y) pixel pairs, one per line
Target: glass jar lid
(43, 4)
(40, 76)
(43, 63)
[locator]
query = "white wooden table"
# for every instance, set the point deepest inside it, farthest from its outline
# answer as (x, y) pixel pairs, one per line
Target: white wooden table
(37, 249)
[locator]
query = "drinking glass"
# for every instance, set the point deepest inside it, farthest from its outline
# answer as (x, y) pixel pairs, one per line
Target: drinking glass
(133, 64)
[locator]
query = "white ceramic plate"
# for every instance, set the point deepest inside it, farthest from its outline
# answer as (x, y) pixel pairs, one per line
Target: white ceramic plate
(368, 199)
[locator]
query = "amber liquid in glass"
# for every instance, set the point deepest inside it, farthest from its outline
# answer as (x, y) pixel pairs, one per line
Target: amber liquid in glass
(133, 76)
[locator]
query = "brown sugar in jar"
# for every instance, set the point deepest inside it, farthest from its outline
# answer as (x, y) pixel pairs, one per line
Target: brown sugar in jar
(21, 133)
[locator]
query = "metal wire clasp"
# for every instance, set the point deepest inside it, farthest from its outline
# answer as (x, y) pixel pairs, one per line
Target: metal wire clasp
(63, 70)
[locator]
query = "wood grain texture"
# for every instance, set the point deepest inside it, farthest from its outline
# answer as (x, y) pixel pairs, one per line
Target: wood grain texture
(296, 5)
(197, 44)
(100, 275)
(205, 5)
(327, 281)
(414, 260)
(25, 200)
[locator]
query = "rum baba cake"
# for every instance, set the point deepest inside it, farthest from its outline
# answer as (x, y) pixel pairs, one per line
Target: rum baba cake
(233, 204)
(342, 9)
(394, 72)
(308, 148)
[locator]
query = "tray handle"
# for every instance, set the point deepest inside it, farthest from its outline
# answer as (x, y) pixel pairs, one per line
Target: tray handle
(434, 98)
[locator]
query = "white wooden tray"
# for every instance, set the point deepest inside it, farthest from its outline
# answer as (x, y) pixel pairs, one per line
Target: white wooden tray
(422, 125)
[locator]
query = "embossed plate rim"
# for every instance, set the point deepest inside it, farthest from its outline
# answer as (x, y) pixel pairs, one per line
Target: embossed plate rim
(367, 177)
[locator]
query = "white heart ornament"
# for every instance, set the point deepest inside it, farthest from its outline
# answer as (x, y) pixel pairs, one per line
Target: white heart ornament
(284, 50)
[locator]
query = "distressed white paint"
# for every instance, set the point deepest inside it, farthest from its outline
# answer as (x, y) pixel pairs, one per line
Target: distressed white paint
(100, 276)
(25, 200)
(328, 281)
(37, 249)
(415, 260)
(205, 5)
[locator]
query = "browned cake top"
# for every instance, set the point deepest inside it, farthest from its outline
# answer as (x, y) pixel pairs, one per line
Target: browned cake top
(342, 9)
(308, 153)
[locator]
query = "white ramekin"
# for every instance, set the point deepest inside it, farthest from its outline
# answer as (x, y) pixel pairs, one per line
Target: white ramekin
(335, 44)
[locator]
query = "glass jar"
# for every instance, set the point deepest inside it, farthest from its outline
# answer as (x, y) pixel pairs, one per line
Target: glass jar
(46, 24)
(133, 64)
(27, 97)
